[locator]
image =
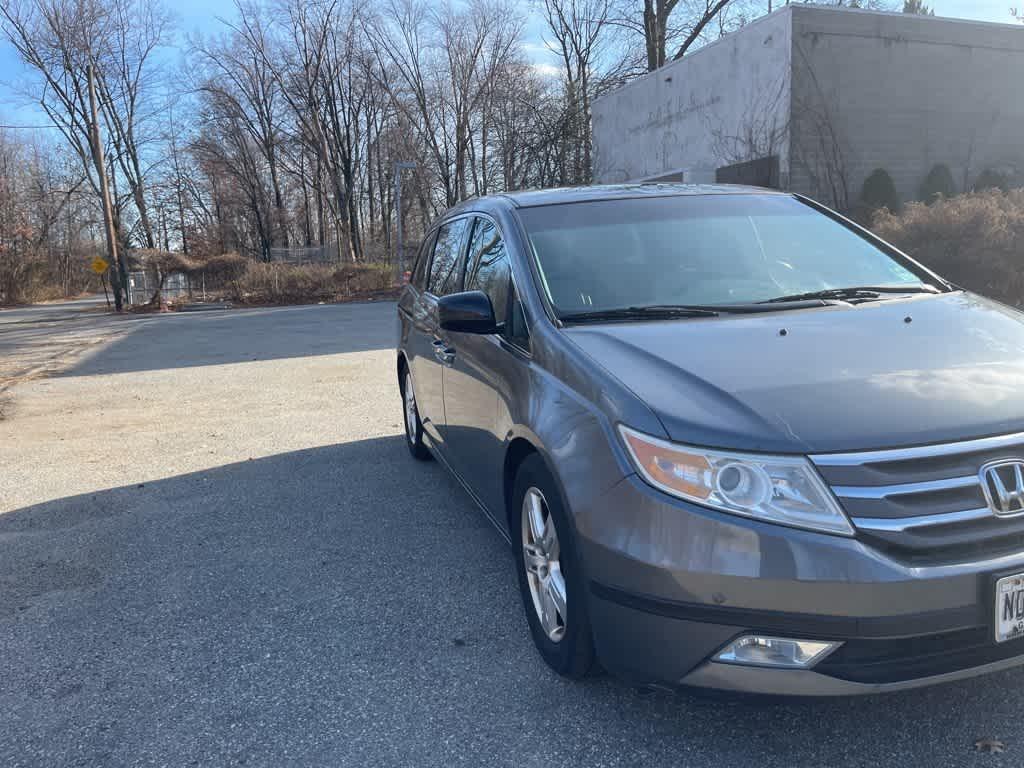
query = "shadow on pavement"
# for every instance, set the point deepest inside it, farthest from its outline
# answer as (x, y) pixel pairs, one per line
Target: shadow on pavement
(344, 605)
(183, 340)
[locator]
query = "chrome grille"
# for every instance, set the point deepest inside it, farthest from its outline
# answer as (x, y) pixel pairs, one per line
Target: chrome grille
(924, 496)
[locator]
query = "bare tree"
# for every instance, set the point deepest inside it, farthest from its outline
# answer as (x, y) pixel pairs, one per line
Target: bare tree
(126, 78)
(444, 62)
(665, 25)
(237, 86)
(44, 221)
(579, 28)
(61, 41)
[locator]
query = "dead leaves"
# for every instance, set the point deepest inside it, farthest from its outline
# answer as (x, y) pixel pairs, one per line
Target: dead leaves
(992, 746)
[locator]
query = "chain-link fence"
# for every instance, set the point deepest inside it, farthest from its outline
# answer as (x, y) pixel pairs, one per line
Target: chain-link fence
(313, 254)
(142, 285)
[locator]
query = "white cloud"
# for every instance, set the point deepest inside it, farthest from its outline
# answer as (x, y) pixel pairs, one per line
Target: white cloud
(546, 70)
(541, 48)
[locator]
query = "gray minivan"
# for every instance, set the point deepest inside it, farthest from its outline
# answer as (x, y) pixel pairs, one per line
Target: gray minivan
(735, 440)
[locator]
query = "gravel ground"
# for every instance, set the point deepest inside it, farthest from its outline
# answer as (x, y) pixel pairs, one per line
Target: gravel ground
(215, 550)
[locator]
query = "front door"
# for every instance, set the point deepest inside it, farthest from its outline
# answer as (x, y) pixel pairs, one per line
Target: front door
(482, 368)
(445, 276)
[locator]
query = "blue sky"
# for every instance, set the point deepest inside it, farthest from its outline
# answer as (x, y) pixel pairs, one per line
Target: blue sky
(201, 16)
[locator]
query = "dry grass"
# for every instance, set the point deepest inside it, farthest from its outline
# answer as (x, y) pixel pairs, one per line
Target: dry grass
(976, 240)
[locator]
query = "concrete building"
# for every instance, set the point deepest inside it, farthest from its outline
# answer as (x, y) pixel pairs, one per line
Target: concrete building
(814, 98)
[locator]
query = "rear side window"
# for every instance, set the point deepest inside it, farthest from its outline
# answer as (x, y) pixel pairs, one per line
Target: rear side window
(446, 269)
(488, 267)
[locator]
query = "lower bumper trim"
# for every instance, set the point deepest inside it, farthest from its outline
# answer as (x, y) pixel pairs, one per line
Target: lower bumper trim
(787, 682)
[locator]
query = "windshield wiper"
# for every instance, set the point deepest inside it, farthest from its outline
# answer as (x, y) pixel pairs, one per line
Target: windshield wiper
(859, 292)
(661, 311)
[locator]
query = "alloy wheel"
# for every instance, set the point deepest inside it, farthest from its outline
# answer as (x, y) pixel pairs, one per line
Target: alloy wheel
(410, 410)
(541, 554)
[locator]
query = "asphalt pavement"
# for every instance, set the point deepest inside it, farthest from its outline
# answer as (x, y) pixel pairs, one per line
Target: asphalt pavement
(41, 337)
(216, 551)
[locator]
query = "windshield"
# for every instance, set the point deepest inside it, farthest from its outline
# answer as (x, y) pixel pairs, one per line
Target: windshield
(698, 250)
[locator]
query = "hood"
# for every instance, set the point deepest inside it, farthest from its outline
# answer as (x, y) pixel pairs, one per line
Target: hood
(842, 378)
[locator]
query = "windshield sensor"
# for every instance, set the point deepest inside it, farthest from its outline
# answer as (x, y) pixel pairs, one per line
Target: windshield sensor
(639, 313)
(859, 292)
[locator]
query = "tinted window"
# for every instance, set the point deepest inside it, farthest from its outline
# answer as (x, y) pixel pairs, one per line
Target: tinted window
(709, 249)
(419, 274)
(446, 269)
(488, 266)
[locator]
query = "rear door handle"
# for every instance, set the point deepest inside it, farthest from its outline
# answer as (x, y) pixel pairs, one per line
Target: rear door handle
(444, 354)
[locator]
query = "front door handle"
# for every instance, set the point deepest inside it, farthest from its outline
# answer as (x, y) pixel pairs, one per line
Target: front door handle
(444, 354)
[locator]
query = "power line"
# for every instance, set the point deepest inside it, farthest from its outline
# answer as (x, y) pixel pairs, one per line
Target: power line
(25, 127)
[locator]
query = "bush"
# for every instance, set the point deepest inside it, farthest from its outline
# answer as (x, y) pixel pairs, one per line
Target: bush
(263, 283)
(937, 184)
(216, 273)
(972, 239)
(879, 191)
(989, 179)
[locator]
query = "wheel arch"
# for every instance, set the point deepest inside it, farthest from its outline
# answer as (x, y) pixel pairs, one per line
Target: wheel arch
(520, 448)
(402, 365)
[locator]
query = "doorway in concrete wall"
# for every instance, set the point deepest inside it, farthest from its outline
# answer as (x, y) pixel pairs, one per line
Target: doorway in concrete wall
(668, 177)
(763, 172)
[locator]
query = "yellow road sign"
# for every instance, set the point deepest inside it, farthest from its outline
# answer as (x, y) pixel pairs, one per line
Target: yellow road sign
(99, 265)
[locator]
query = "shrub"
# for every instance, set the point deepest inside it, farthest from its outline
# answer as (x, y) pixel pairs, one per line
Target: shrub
(217, 271)
(972, 240)
(879, 191)
(289, 283)
(937, 184)
(989, 179)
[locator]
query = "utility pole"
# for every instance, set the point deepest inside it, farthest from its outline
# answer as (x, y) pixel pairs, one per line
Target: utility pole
(399, 252)
(108, 214)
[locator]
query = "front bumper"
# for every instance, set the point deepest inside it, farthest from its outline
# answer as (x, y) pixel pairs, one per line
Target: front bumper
(671, 583)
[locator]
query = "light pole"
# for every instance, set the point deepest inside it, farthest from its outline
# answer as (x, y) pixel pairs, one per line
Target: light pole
(399, 253)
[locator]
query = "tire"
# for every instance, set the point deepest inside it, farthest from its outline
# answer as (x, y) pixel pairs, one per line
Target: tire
(566, 644)
(411, 418)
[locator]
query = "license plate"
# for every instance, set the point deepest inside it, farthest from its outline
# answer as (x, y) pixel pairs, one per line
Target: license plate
(1010, 607)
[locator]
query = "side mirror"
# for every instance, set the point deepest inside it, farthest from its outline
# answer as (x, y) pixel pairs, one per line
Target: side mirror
(467, 312)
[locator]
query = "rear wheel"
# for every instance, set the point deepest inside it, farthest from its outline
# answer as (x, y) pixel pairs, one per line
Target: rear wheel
(413, 425)
(549, 579)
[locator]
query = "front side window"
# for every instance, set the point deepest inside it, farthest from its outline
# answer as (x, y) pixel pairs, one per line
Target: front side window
(419, 274)
(487, 268)
(446, 268)
(516, 329)
(698, 250)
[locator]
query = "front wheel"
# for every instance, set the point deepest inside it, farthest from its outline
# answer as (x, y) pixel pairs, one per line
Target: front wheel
(413, 425)
(549, 579)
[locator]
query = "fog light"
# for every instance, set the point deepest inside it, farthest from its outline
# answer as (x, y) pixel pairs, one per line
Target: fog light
(757, 651)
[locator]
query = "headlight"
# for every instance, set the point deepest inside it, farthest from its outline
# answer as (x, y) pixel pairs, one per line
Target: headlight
(776, 489)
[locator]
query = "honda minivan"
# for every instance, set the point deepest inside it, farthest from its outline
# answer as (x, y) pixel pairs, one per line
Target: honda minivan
(735, 440)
